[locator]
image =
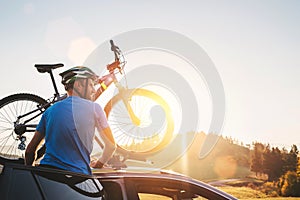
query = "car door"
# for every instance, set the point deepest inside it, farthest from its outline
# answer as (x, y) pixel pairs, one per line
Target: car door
(164, 188)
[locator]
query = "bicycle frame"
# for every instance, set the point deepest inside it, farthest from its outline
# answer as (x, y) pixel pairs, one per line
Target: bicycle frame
(105, 81)
(22, 128)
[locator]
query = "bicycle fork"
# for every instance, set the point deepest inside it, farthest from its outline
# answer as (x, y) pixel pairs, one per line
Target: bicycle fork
(126, 100)
(105, 81)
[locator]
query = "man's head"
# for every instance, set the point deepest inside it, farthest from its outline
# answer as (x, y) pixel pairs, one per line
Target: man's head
(80, 81)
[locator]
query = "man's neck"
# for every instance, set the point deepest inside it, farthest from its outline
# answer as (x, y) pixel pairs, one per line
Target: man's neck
(72, 93)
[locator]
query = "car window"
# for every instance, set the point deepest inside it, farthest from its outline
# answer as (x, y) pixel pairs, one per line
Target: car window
(62, 186)
(164, 188)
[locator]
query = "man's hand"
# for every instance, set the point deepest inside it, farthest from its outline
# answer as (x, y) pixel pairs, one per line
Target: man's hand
(96, 164)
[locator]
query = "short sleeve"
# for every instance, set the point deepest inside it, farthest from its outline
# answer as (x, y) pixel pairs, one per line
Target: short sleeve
(100, 117)
(41, 127)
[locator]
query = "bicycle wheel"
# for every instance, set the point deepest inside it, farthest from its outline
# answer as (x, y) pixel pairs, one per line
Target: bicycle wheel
(156, 126)
(16, 111)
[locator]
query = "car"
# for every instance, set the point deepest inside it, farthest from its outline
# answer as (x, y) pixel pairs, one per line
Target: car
(18, 181)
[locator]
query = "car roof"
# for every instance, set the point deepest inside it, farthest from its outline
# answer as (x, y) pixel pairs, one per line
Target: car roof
(129, 173)
(139, 172)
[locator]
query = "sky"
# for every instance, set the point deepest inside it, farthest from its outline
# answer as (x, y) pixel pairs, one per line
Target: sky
(254, 45)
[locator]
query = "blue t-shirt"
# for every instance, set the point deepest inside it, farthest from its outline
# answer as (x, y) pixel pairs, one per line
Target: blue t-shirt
(69, 129)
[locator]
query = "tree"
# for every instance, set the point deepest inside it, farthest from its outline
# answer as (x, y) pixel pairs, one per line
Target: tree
(267, 161)
(291, 159)
(273, 163)
(298, 169)
(290, 184)
(257, 158)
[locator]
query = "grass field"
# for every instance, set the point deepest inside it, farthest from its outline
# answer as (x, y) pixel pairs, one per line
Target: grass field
(250, 194)
(241, 193)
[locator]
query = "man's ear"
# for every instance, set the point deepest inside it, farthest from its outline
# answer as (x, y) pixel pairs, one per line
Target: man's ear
(78, 84)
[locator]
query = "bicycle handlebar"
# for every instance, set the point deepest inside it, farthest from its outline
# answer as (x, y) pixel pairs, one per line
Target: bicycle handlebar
(115, 49)
(117, 52)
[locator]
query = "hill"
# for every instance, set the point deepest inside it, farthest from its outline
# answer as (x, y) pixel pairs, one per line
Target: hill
(225, 160)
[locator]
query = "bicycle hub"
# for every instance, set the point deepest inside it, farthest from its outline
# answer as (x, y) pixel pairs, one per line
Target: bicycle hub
(20, 129)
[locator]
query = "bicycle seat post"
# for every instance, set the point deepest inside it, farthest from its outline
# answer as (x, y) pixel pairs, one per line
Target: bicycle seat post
(54, 84)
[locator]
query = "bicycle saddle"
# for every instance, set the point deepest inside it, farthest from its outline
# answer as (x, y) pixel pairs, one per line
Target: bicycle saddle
(42, 68)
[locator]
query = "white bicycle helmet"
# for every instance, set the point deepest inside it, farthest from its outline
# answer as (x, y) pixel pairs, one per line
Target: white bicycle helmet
(79, 72)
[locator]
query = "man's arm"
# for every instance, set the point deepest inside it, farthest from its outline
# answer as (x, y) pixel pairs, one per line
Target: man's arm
(109, 148)
(31, 148)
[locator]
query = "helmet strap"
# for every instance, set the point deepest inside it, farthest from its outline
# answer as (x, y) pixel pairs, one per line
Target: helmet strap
(85, 90)
(79, 94)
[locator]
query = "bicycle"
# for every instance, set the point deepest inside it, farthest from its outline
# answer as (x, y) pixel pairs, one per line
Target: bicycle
(127, 114)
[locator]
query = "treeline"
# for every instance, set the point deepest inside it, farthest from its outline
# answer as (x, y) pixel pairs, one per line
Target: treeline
(282, 167)
(230, 158)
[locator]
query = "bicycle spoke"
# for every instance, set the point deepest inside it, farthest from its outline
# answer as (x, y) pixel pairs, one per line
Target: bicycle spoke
(6, 115)
(116, 122)
(15, 105)
(3, 144)
(10, 149)
(120, 137)
(5, 122)
(4, 130)
(13, 112)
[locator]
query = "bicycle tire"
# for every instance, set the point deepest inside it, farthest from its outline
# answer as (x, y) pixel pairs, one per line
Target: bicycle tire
(142, 143)
(10, 108)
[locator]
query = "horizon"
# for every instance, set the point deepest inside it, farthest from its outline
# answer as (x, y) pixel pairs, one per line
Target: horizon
(254, 46)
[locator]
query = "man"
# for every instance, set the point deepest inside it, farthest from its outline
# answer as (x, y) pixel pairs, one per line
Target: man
(69, 127)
